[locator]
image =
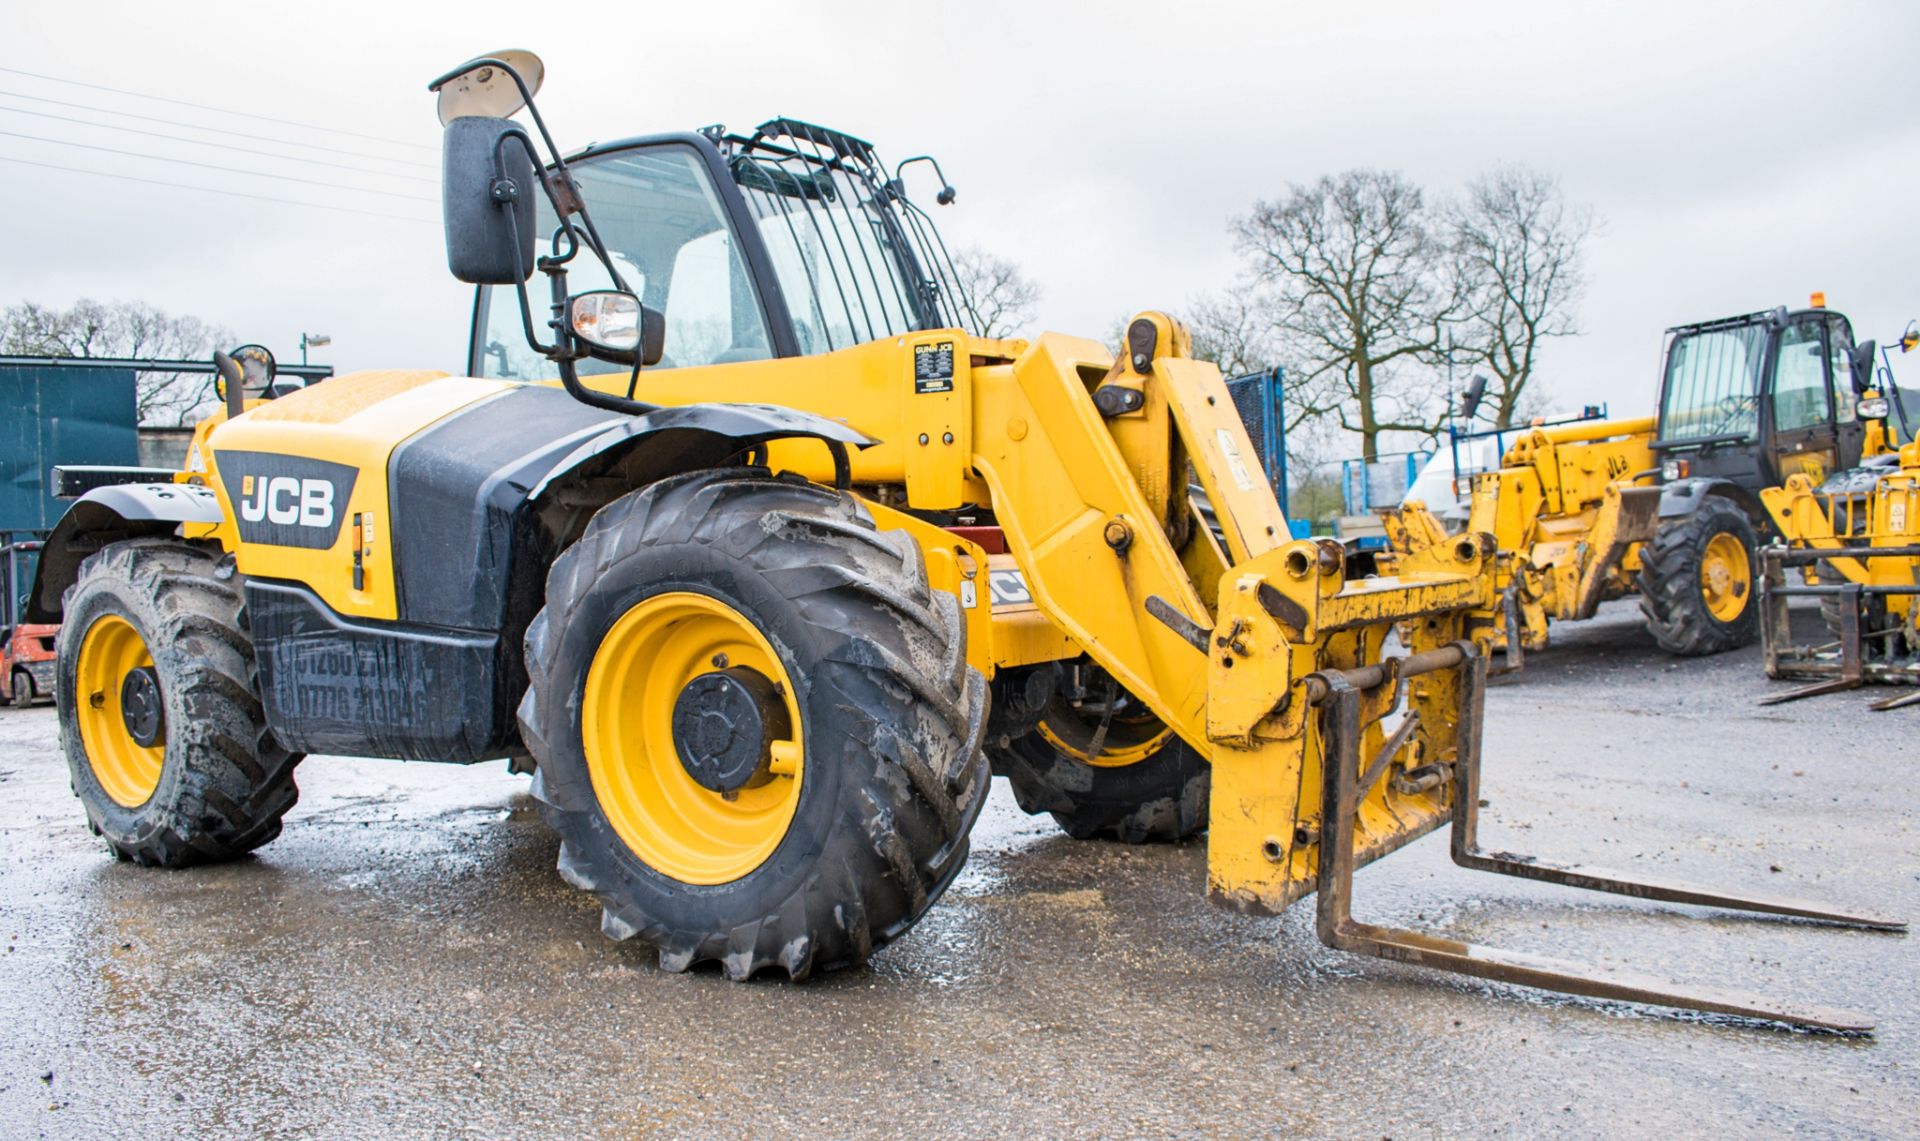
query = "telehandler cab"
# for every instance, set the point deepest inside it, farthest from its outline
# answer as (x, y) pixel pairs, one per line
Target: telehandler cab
(1669, 507)
(759, 559)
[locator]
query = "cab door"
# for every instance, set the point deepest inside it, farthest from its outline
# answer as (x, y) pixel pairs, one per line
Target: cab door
(1849, 433)
(1801, 433)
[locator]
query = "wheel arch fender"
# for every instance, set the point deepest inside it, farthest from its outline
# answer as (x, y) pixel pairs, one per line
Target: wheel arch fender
(1682, 497)
(670, 441)
(109, 515)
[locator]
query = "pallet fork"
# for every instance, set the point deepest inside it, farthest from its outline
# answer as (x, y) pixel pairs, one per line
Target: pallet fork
(1846, 663)
(1340, 695)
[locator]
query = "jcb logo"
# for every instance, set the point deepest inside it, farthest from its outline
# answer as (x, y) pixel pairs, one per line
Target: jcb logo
(286, 501)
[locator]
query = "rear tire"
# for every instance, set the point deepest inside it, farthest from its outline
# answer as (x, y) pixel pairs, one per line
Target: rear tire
(22, 685)
(1150, 787)
(215, 782)
(1696, 590)
(890, 777)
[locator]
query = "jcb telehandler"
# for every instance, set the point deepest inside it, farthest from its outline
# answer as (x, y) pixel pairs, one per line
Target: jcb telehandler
(1855, 536)
(1669, 507)
(759, 559)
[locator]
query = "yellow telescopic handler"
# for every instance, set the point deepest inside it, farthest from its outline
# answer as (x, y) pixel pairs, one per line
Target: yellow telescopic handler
(1855, 538)
(762, 561)
(1670, 507)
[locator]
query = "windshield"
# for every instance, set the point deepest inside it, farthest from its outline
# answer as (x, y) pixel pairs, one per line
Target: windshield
(666, 233)
(1712, 381)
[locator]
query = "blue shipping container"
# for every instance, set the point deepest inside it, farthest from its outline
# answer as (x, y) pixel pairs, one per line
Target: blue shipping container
(52, 415)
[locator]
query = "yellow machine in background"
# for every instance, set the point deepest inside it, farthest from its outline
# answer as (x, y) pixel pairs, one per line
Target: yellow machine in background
(1567, 509)
(1669, 507)
(760, 560)
(1855, 537)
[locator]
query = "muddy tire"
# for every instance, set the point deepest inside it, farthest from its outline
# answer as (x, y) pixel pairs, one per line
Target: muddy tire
(1150, 787)
(889, 777)
(175, 766)
(22, 689)
(1697, 579)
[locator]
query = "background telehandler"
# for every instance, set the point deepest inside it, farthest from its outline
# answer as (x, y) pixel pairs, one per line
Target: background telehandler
(759, 560)
(1856, 537)
(1669, 507)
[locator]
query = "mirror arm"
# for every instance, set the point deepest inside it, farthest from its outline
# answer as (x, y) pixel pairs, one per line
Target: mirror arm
(566, 352)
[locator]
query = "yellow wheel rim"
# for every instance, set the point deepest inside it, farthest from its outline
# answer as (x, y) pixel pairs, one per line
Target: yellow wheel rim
(127, 770)
(676, 825)
(1130, 739)
(1726, 577)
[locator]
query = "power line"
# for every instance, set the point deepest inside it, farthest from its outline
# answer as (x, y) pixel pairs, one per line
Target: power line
(214, 190)
(216, 110)
(217, 146)
(216, 166)
(217, 130)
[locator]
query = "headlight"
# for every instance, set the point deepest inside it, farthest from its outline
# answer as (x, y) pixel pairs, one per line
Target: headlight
(1673, 470)
(607, 319)
(1872, 408)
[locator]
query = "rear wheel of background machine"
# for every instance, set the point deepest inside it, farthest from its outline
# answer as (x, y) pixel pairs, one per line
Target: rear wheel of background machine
(165, 739)
(1139, 783)
(755, 727)
(22, 686)
(1697, 581)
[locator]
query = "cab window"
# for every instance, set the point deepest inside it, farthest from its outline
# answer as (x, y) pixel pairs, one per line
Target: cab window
(1800, 385)
(667, 232)
(1840, 369)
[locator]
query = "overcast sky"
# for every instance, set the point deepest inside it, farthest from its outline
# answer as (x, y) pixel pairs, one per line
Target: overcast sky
(1741, 154)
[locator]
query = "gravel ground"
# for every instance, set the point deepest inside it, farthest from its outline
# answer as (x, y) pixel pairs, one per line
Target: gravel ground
(404, 961)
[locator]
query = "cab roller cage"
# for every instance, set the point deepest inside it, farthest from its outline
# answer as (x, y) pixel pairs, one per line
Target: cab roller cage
(1338, 694)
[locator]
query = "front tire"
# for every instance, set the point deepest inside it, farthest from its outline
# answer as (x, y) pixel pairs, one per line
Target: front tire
(165, 738)
(22, 685)
(1696, 581)
(869, 771)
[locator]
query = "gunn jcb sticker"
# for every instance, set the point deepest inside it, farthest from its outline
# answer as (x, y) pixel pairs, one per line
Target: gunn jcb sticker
(933, 368)
(286, 501)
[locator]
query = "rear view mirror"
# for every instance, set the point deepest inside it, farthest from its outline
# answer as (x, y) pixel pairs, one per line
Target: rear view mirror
(487, 187)
(1862, 360)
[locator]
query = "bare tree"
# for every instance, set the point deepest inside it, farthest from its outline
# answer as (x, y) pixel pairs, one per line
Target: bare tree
(1360, 285)
(1002, 295)
(122, 329)
(1235, 331)
(1519, 251)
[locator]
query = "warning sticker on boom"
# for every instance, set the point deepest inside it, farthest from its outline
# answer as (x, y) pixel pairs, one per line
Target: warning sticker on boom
(933, 368)
(1231, 450)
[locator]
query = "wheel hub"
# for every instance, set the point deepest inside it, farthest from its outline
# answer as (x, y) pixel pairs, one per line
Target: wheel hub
(724, 725)
(140, 707)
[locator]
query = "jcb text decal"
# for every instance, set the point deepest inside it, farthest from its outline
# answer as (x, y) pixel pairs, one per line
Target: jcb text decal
(286, 501)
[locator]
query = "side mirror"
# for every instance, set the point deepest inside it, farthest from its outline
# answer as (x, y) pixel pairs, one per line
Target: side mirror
(487, 188)
(1862, 361)
(618, 325)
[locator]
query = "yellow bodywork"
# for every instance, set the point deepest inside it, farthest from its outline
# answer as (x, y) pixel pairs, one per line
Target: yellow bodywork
(1568, 509)
(1885, 515)
(1217, 638)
